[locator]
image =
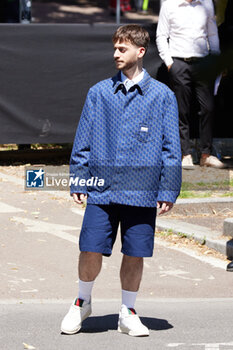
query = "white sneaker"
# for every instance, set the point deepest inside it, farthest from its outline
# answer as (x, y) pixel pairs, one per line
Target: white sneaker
(78, 312)
(211, 161)
(130, 323)
(187, 162)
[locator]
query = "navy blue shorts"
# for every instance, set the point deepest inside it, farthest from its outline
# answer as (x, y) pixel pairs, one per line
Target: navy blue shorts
(100, 225)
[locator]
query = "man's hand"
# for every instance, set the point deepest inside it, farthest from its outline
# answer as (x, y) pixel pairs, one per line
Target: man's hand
(164, 207)
(169, 67)
(79, 198)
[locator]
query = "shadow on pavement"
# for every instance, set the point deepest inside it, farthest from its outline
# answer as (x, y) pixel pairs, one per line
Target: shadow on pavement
(99, 324)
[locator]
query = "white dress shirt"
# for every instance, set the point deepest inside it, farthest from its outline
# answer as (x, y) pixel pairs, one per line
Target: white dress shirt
(129, 83)
(186, 29)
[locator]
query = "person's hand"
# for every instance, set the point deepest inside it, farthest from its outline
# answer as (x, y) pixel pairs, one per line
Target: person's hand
(164, 207)
(169, 67)
(79, 198)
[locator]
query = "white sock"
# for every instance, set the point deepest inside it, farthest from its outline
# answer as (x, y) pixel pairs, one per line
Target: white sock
(85, 289)
(129, 298)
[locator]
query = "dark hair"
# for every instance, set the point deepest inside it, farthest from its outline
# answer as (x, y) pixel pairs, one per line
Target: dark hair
(133, 33)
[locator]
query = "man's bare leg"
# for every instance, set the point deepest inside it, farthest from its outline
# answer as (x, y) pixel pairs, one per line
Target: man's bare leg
(131, 273)
(89, 266)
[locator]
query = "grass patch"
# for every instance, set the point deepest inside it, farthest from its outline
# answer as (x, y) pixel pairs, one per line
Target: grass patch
(199, 194)
(193, 194)
(205, 186)
(227, 194)
(207, 189)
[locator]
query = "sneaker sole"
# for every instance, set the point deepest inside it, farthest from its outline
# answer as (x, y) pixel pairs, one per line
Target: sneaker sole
(71, 332)
(131, 333)
(213, 166)
(76, 330)
(188, 167)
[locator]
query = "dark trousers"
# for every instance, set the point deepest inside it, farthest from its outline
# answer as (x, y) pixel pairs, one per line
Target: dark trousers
(184, 78)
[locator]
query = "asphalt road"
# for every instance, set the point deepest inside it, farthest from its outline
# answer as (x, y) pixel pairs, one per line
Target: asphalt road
(178, 324)
(185, 299)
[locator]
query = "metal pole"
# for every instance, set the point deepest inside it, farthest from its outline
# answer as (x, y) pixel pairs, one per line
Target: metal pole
(118, 12)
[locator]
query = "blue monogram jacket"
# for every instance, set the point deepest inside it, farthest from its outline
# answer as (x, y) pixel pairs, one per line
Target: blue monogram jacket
(127, 146)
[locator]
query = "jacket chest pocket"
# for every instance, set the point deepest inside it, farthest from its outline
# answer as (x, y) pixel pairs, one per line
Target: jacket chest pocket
(144, 132)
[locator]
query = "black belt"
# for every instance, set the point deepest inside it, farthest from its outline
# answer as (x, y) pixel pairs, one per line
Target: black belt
(189, 59)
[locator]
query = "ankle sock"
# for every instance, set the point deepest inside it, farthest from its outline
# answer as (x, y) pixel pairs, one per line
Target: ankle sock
(129, 298)
(85, 289)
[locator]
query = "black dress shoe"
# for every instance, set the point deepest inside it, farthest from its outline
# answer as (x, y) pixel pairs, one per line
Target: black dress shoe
(230, 266)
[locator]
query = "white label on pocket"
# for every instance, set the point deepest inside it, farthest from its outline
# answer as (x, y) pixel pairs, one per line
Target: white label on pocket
(144, 128)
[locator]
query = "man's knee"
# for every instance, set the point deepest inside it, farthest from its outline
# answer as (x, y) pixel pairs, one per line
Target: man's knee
(89, 265)
(132, 261)
(90, 258)
(133, 258)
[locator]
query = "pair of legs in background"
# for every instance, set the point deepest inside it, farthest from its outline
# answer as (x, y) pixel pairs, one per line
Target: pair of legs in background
(97, 237)
(186, 78)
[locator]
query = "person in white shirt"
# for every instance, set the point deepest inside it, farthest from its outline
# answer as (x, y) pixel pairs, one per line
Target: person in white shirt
(186, 33)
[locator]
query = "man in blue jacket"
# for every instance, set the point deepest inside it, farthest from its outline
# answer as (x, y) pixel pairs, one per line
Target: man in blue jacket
(126, 161)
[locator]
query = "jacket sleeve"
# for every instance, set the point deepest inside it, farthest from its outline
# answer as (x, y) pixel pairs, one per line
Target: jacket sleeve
(81, 148)
(171, 170)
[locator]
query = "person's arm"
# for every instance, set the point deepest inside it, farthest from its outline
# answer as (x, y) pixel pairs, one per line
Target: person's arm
(162, 36)
(170, 178)
(212, 30)
(81, 150)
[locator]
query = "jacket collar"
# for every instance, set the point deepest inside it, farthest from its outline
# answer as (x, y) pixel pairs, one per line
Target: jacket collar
(143, 85)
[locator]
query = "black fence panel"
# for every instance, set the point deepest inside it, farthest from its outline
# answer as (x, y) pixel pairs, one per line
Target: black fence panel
(46, 71)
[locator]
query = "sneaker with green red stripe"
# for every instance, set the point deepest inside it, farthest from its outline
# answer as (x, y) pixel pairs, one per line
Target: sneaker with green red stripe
(78, 312)
(130, 323)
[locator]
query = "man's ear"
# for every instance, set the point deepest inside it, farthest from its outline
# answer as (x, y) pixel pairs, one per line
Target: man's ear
(141, 52)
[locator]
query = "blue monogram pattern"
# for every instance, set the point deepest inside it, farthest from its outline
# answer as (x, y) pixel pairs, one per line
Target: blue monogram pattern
(131, 141)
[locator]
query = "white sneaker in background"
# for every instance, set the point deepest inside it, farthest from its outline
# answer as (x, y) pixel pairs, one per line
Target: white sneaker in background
(187, 162)
(211, 161)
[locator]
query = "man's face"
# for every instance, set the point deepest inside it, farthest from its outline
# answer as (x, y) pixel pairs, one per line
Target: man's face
(127, 55)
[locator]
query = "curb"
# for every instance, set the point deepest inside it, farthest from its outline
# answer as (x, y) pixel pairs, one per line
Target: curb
(199, 233)
(204, 200)
(228, 227)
